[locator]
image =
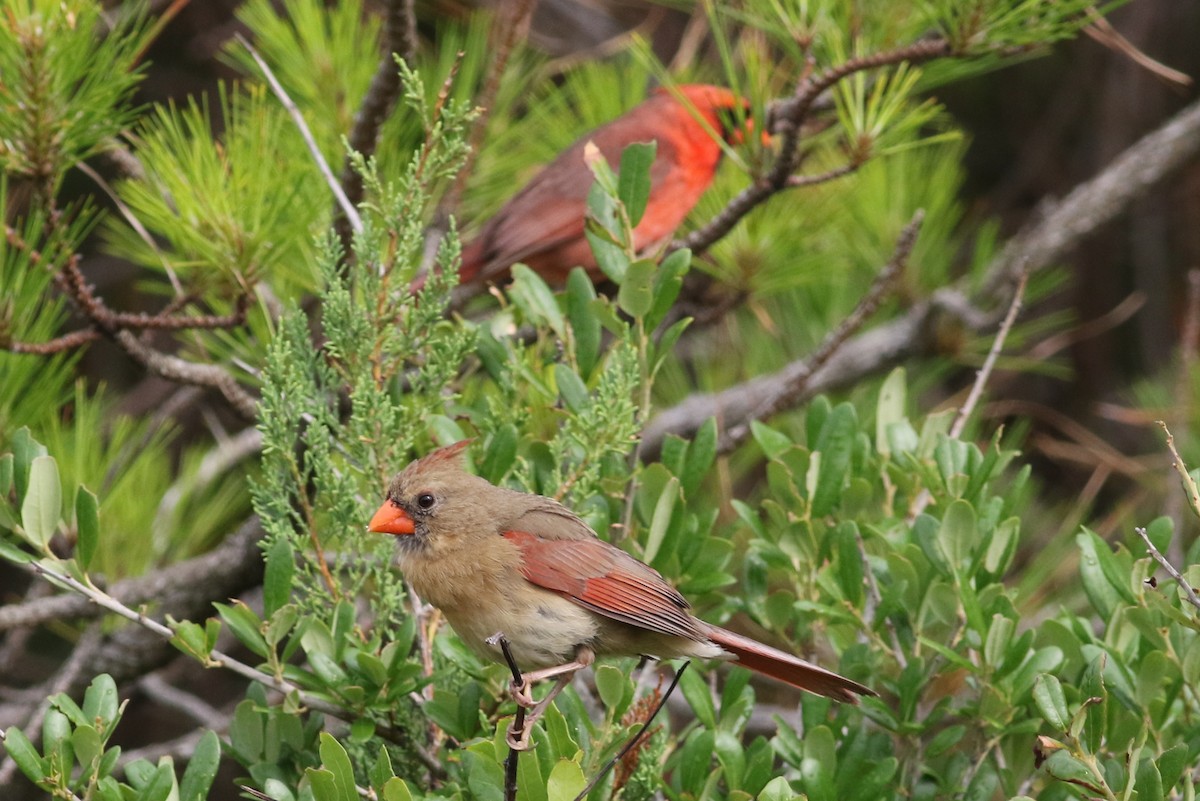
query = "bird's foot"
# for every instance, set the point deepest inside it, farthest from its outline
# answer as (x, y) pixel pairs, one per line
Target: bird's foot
(519, 740)
(522, 693)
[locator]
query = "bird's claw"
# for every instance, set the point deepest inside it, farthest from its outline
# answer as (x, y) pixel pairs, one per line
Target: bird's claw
(522, 694)
(518, 741)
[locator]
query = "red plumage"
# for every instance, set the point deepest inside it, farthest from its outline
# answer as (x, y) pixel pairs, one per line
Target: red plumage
(542, 226)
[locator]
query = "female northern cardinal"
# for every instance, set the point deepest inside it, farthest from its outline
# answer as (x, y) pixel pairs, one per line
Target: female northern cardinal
(542, 225)
(498, 561)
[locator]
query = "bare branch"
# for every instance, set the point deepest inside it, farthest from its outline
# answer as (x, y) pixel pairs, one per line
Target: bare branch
(1088, 206)
(174, 368)
(782, 397)
(75, 339)
(1037, 245)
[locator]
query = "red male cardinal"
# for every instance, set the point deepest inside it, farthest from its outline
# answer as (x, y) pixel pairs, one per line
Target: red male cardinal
(542, 225)
(498, 561)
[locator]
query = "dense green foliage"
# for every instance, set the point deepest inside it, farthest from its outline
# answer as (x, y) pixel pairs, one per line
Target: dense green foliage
(858, 529)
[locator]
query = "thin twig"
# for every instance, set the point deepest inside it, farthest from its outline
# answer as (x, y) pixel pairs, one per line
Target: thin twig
(517, 730)
(981, 378)
(157, 689)
(875, 600)
(797, 181)
(782, 398)
(1189, 484)
(134, 223)
(339, 194)
(75, 339)
(1181, 408)
(1102, 31)
(788, 118)
(1189, 593)
(222, 659)
(633, 741)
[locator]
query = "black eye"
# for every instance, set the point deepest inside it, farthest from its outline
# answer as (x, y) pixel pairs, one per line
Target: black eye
(425, 500)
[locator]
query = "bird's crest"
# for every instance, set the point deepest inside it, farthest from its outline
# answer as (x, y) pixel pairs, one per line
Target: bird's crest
(447, 456)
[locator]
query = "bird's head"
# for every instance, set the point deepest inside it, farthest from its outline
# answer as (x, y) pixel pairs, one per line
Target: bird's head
(435, 503)
(727, 112)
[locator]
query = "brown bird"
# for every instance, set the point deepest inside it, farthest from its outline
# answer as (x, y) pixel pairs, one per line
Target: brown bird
(495, 560)
(542, 225)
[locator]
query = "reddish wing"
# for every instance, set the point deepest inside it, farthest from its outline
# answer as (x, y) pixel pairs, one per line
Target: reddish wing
(606, 580)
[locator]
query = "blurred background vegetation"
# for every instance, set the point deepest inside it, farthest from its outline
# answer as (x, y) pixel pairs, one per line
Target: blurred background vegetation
(143, 151)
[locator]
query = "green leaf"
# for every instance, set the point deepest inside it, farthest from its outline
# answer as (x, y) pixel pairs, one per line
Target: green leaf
(584, 323)
(335, 760)
(1100, 592)
(983, 784)
(87, 525)
(571, 388)
(277, 578)
(889, 409)
(1061, 765)
(1048, 695)
(6, 474)
(362, 730)
(566, 781)
(101, 703)
(635, 296)
(396, 790)
(191, 639)
(25, 449)
(701, 454)
(772, 442)
(661, 519)
(529, 777)
(697, 753)
(613, 686)
(201, 769)
(245, 625)
(41, 507)
(696, 691)
(819, 764)
(633, 179)
(25, 755)
(668, 281)
(88, 745)
(531, 293)
(485, 777)
(836, 446)
(160, 784)
(1149, 782)
(958, 534)
(778, 789)
(501, 453)
(56, 742)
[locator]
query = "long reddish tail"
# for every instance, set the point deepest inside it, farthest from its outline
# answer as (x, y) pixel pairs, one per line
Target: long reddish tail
(787, 668)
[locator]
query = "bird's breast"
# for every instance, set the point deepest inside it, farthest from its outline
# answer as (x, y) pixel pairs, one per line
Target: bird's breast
(483, 592)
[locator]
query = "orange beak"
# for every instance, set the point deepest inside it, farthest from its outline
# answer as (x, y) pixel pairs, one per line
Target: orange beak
(391, 519)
